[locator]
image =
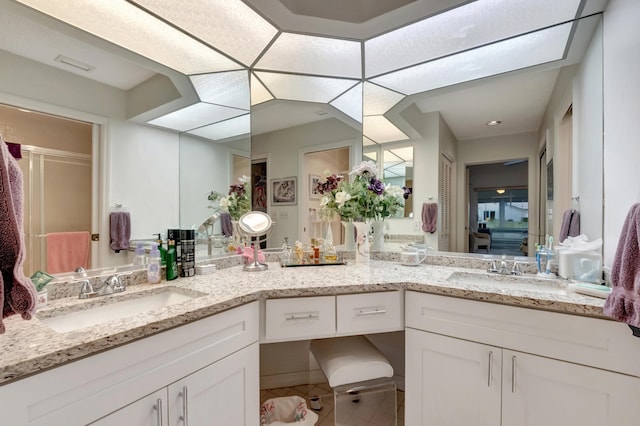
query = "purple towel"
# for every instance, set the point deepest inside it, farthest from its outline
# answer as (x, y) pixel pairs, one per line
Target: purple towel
(570, 224)
(15, 150)
(119, 230)
(17, 292)
(429, 217)
(623, 304)
(225, 224)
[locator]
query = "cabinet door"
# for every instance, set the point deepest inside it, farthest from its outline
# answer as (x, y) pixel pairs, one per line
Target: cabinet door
(224, 393)
(451, 381)
(541, 391)
(148, 411)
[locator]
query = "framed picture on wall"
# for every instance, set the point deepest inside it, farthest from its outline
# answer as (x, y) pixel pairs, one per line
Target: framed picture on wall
(314, 194)
(283, 191)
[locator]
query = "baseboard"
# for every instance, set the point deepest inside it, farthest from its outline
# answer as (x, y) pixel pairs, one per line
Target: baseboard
(291, 379)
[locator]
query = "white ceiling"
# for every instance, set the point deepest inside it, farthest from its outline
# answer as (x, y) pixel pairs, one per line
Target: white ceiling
(518, 99)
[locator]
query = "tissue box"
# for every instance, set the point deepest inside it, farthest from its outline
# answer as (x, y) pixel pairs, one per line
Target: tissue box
(579, 265)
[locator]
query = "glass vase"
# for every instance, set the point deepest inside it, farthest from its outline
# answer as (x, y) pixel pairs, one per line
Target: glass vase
(377, 243)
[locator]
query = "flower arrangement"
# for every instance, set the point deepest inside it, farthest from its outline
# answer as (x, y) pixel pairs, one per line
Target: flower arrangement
(364, 197)
(237, 202)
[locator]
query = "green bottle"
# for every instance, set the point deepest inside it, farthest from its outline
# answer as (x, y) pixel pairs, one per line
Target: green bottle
(162, 250)
(172, 263)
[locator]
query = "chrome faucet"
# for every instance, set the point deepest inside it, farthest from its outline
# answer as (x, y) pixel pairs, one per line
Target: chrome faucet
(113, 284)
(504, 270)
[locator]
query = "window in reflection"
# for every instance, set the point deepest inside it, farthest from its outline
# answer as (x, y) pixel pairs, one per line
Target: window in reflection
(503, 215)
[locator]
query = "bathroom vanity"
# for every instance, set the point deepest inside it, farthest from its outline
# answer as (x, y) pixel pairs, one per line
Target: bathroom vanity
(526, 355)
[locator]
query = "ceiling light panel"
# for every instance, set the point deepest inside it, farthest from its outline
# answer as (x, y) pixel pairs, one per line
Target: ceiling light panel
(378, 100)
(313, 55)
(196, 115)
(462, 28)
(259, 93)
(229, 25)
(225, 129)
(381, 130)
(126, 25)
(226, 88)
(304, 88)
(351, 103)
(509, 55)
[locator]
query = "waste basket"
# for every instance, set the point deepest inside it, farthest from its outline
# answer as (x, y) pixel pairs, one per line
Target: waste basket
(288, 410)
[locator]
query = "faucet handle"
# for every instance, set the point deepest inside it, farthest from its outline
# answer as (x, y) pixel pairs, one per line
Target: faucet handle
(516, 269)
(86, 290)
(493, 267)
(116, 283)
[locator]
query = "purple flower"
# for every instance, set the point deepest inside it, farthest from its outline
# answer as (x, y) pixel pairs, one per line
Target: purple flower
(407, 191)
(376, 186)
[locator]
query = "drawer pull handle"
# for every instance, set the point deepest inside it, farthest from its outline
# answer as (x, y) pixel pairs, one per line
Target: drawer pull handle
(375, 311)
(158, 408)
(513, 374)
(185, 407)
(303, 316)
(490, 368)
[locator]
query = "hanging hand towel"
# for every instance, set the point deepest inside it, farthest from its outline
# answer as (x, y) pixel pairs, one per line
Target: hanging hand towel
(429, 217)
(623, 304)
(66, 251)
(225, 224)
(119, 230)
(570, 224)
(17, 292)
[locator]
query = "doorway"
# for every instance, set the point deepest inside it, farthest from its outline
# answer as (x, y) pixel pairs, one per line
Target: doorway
(57, 167)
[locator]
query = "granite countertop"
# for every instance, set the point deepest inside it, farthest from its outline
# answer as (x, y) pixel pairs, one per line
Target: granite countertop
(31, 346)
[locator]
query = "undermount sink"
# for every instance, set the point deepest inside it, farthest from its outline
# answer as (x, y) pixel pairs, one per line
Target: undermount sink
(508, 282)
(95, 312)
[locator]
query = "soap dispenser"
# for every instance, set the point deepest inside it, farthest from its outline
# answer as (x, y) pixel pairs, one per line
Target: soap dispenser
(140, 257)
(153, 269)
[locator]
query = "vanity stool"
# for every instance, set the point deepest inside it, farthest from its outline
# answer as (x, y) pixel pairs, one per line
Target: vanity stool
(361, 378)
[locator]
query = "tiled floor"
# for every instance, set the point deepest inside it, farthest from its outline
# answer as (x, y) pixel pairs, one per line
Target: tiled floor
(326, 414)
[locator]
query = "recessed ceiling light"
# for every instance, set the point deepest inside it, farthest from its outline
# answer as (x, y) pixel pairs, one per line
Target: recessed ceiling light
(74, 63)
(494, 123)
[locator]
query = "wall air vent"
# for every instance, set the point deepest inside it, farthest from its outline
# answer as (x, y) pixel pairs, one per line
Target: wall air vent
(74, 63)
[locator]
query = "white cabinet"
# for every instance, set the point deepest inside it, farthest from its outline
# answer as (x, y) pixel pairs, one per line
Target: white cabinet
(215, 357)
(369, 313)
(483, 373)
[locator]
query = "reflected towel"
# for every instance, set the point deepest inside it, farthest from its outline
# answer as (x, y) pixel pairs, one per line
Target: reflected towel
(66, 251)
(17, 292)
(623, 304)
(119, 230)
(570, 224)
(429, 217)
(225, 224)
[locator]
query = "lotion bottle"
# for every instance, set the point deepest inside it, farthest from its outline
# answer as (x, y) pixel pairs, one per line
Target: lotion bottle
(153, 269)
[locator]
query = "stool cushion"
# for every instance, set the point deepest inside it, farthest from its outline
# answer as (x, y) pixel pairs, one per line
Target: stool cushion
(352, 359)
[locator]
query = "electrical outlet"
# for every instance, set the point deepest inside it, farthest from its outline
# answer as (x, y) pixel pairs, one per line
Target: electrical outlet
(416, 225)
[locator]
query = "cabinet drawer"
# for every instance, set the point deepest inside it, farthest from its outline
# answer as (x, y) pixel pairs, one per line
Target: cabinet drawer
(370, 312)
(300, 318)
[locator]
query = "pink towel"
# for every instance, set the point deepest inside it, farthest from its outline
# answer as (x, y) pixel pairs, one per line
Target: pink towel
(119, 230)
(623, 304)
(66, 251)
(570, 224)
(429, 217)
(17, 292)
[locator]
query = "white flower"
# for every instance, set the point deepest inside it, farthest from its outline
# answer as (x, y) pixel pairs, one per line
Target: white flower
(341, 198)
(364, 167)
(327, 172)
(324, 200)
(394, 191)
(224, 202)
(244, 179)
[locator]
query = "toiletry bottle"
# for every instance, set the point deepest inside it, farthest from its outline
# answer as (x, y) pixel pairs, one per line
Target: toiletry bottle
(140, 258)
(162, 250)
(172, 263)
(153, 269)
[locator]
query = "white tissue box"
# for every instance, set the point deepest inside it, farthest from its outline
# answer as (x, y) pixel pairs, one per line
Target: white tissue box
(579, 265)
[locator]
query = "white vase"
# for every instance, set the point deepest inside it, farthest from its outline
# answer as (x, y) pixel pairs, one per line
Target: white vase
(377, 243)
(362, 241)
(349, 237)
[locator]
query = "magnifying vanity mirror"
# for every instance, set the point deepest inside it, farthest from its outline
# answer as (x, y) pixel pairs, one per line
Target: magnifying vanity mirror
(256, 226)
